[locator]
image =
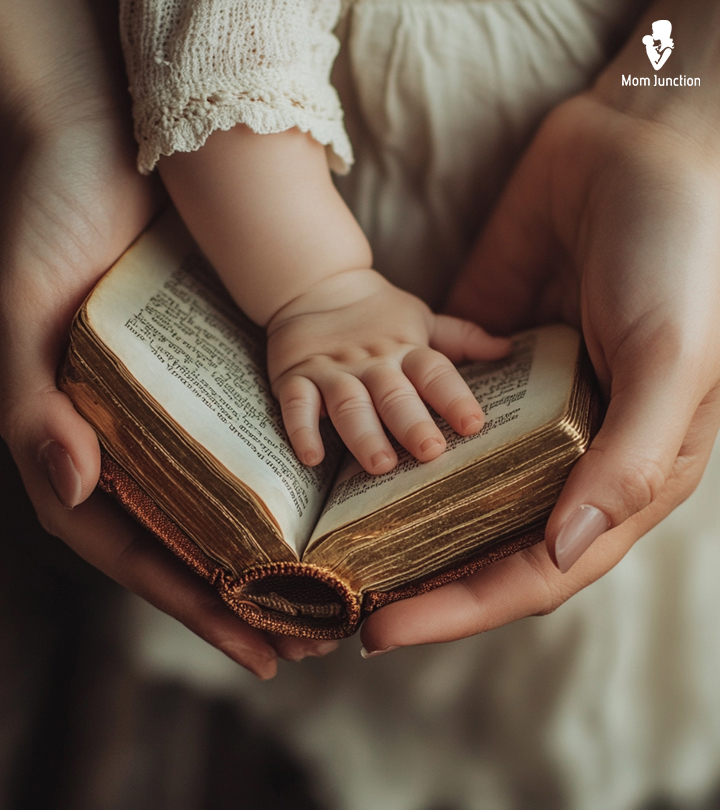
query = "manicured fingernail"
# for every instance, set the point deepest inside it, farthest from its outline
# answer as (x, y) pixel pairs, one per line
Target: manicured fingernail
(64, 478)
(265, 669)
(324, 647)
(431, 444)
(581, 529)
(380, 459)
(376, 653)
(292, 653)
(471, 423)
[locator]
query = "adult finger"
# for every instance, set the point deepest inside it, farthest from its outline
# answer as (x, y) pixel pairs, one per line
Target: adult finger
(525, 584)
(295, 649)
(58, 458)
(100, 532)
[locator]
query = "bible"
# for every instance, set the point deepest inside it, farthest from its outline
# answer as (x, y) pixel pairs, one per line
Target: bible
(172, 377)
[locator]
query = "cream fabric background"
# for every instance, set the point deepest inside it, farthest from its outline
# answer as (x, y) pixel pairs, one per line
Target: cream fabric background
(440, 97)
(612, 700)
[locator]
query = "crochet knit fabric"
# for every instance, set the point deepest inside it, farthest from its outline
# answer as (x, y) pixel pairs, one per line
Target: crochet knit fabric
(200, 65)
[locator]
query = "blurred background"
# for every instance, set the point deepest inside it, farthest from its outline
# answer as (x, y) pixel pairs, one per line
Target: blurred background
(105, 704)
(83, 727)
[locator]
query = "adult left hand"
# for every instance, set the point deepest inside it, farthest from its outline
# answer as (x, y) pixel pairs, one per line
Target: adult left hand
(71, 202)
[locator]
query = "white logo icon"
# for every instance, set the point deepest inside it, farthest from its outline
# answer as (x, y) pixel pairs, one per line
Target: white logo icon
(659, 53)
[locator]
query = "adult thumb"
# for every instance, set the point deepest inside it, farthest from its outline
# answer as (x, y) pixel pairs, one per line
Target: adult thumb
(56, 450)
(630, 467)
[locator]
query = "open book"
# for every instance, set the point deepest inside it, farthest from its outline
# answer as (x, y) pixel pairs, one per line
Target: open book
(172, 377)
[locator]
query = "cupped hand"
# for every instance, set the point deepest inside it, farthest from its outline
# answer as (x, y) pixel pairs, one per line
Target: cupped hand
(369, 354)
(72, 202)
(610, 223)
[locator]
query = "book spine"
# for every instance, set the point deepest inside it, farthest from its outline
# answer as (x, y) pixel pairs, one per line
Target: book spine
(294, 599)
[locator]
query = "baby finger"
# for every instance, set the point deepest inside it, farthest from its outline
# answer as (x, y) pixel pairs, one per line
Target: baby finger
(300, 403)
(402, 410)
(438, 382)
(352, 412)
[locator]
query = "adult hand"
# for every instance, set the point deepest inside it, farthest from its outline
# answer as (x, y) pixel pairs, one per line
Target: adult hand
(610, 223)
(72, 202)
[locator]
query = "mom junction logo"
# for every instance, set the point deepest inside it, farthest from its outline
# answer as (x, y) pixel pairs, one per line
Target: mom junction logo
(659, 47)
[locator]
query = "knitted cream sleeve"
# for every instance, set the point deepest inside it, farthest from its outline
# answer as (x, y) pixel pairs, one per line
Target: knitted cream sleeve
(199, 65)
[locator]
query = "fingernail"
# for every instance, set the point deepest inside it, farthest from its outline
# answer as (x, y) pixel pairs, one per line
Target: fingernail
(311, 457)
(376, 653)
(581, 529)
(293, 657)
(262, 666)
(471, 423)
(431, 444)
(379, 459)
(324, 647)
(266, 674)
(265, 669)
(64, 478)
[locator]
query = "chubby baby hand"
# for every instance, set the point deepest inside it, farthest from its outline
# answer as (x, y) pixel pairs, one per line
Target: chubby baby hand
(366, 353)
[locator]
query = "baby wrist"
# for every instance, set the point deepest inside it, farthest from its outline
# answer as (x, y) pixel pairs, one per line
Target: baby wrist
(331, 292)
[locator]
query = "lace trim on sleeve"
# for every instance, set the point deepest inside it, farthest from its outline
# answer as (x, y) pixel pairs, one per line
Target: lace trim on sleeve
(200, 65)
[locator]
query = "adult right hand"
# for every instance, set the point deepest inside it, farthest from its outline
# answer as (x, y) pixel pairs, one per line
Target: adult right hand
(72, 202)
(609, 223)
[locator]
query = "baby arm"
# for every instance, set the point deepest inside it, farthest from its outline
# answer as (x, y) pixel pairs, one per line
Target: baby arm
(341, 339)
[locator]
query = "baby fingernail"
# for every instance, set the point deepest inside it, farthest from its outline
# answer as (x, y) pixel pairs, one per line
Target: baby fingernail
(431, 444)
(471, 423)
(380, 459)
(581, 529)
(375, 653)
(64, 478)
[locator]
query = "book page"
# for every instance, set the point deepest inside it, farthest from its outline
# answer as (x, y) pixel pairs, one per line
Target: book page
(190, 355)
(519, 394)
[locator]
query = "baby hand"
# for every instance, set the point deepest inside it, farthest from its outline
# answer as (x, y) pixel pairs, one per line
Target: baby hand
(367, 353)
